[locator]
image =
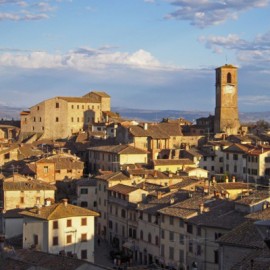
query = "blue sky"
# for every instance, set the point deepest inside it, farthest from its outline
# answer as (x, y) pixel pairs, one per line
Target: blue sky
(147, 54)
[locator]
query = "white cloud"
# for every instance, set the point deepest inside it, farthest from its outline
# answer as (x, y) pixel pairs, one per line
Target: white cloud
(255, 52)
(17, 10)
(203, 13)
(83, 59)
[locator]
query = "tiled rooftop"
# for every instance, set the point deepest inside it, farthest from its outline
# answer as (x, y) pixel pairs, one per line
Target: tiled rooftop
(57, 211)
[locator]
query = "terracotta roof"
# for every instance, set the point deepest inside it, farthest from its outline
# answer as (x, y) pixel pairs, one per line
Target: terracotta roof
(246, 234)
(221, 215)
(253, 198)
(80, 99)
(86, 182)
(57, 211)
(255, 260)
(113, 176)
(63, 161)
(187, 208)
(25, 259)
(164, 162)
(25, 113)
(123, 189)
(185, 182)
(119, 149)
(100, 93)
(157, 204)
(27, 185)
(234, 185)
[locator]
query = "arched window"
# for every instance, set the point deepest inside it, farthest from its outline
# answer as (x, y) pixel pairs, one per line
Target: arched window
(141, 235)
(229, 77)
(149, 238)
(156, 241)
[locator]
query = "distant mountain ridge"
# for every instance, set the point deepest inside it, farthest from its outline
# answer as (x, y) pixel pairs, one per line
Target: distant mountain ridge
(7, 112)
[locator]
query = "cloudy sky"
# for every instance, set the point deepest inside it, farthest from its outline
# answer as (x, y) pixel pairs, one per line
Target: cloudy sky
(147, 54)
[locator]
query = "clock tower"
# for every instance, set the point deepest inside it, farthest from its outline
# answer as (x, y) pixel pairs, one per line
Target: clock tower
(226, 111)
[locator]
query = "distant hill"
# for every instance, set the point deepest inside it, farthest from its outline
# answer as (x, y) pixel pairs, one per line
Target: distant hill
(7, 112)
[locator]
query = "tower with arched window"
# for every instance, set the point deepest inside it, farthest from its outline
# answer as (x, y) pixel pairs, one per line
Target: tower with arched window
(226, 111)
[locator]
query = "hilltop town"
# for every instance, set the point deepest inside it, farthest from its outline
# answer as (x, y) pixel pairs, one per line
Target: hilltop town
(81, 187)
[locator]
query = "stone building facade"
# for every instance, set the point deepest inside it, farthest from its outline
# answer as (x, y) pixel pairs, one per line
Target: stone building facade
(60, 117)
(226, 111)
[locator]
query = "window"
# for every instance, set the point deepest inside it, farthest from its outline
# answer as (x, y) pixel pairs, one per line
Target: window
(84, 254)
(84, 204)
(149, 238)
(72, 106)
(181, 255)
(156, 241)
(235, 168)
(162, 234)
(56, 119)
(190, 246)
(199, 231)
(181, 239)
(69, 223)
(72, 119)
(235, 157)
(69, 239)
(110, 224)
(7, 156)
(35, 236)
(171, 236)
(34, 119)
(57, 105)
(227, 156)
(162, 250)
(38, 108)
(55, 224)
(216, 259)
(22, 200)
(229, 77)
(141, 235)
(189, 228)
(123, 213)
(171, 220)
(130, 232)
(199, 250)
(83, 237)
(212, 168)
(84, 190)
(39, 119)
(83, 221)
(55, 241)
(171, 253)
(45, 169)
(217, 235)
(181, 223)
(149, 217)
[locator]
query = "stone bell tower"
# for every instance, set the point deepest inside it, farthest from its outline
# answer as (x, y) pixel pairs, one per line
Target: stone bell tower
(226, 111)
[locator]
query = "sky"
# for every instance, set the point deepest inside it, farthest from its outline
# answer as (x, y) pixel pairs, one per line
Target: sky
(146, 54)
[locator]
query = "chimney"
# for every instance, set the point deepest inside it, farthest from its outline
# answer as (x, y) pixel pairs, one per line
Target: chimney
(201, 208)
(65, 202)
(233, 179)
(155, 174)
(171, 201)
(159, 194)
(226, 179)
(47, 202)
(214, 180)
(145, 126)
